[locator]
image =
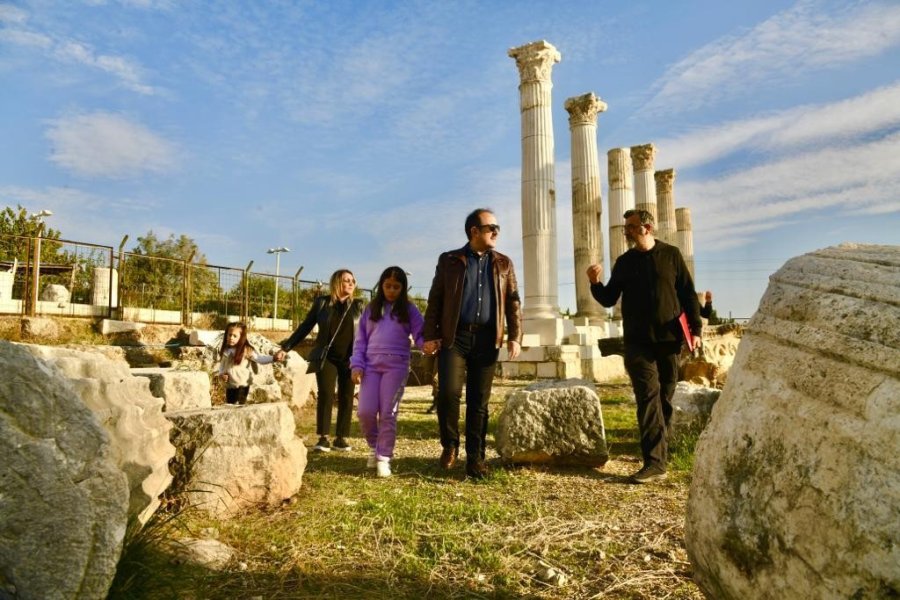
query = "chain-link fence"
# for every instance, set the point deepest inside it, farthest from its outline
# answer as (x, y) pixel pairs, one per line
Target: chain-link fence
(81, 279)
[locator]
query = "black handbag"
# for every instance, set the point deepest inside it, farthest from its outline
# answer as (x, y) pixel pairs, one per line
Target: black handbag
(319, 354)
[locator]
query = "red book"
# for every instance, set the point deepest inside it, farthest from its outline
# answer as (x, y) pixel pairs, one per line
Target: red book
(688, 338)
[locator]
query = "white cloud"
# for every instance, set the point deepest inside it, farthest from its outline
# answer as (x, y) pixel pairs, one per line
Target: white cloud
(852, 179)
(12, 14)
(125, 70)
(806, 37)
(872, 112)
(108, 145)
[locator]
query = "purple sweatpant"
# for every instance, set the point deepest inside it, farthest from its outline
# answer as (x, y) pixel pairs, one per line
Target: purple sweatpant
(379, 398)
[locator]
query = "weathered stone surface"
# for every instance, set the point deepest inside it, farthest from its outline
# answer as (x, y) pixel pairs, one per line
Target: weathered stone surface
(231, 457)
(112, 326)
(212, 554)
(692, 406)
(131, 416)
(716, 357)
(114, 353)
(179, 389)
(63, 500)
(296, 385)
(557, 422)
(55, 292)
(40, 329)
(795, 491)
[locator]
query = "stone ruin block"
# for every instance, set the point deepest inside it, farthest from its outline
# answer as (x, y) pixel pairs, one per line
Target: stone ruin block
(232, 457)
(553, 422)
(63, 499)
(795, 490)
(178, 389)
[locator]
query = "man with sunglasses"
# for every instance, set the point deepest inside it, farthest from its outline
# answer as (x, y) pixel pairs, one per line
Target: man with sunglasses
(473, 295)
(656, 287)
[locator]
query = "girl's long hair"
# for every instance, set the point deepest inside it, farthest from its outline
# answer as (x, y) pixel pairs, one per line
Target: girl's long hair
(241, 345)
(335, 283)
(400, 309)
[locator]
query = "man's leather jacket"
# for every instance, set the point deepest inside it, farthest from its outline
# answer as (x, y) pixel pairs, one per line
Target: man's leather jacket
(445, 298)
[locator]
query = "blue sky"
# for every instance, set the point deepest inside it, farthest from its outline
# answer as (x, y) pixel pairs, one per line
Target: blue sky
(360, 134)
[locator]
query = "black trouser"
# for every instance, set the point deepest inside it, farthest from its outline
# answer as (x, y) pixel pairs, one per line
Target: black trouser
(330, 374)
(653, 369)
(472, 359)
(237, 395)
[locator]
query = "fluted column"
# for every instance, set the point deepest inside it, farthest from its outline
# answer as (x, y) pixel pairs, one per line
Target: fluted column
(644, 185)
(684, 237)
(621, 198)
(535, 62)
(586, 197)
(665, 205)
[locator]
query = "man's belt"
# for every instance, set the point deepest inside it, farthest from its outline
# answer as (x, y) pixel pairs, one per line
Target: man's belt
(471, 327)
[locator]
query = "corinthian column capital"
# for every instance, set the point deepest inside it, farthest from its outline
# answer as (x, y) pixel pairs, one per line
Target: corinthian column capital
(583, 109)
(643, 157)
(665, 179)
(535, 60)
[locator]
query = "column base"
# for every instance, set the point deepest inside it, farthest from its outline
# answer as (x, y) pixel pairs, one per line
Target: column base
(562, 349)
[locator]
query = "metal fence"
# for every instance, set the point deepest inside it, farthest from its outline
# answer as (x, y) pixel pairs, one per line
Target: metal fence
(44, 276)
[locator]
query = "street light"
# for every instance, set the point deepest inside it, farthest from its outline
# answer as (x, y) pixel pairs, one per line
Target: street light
(277, 252)
(39, 217)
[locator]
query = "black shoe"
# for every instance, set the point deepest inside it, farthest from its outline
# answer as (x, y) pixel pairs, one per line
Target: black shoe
(476, 469)
(341, 445)
(322, 445)
(448, 457)
(649, 474)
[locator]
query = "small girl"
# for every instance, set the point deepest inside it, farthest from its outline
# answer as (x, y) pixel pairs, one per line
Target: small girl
(234, 367)
(380, 362)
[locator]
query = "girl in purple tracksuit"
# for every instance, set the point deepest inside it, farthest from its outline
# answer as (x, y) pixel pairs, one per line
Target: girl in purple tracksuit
(380, 363)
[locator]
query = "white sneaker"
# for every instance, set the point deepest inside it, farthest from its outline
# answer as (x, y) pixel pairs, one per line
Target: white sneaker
(383, 467)
(373, 460)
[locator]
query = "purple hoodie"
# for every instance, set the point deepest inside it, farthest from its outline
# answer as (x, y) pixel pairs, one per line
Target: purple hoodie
(386, 336)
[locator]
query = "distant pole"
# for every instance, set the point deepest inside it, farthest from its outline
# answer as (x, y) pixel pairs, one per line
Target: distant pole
(35, 291)
(277, 252)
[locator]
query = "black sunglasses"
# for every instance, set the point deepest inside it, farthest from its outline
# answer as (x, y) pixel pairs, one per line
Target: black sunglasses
(492, 227)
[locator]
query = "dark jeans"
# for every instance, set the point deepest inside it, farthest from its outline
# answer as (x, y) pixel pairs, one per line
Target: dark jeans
(329, 375)
(237, 395)
(653, 369)
(471, 360)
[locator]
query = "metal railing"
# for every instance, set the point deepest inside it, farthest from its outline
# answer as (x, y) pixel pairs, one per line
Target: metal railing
(44, 276)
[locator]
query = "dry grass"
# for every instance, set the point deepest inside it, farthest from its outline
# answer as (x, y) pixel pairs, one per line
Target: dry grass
(425, 533)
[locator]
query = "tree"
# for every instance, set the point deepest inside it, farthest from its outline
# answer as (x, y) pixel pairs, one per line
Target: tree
(154, 272)
(18, 228)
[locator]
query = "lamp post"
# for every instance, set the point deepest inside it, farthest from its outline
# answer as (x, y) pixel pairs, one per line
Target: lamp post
(39, 218)
(277, 252)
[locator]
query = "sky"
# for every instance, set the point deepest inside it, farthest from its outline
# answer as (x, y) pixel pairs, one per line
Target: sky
(359, 134)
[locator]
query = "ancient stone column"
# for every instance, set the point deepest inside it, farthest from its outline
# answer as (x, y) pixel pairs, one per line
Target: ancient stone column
(535, 61)
(684, 237)
(665, 205)
(621, 198)
(644, 185)
(586, 197)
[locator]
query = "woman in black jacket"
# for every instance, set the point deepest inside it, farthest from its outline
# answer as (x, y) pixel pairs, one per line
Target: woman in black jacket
(334, 314)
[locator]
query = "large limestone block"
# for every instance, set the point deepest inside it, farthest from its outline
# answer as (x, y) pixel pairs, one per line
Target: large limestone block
(231, 457)
(180, 389)
(692, 406)
(558, 422)
(796, 484)
(715, 359)
(63, 500)
(131, 416)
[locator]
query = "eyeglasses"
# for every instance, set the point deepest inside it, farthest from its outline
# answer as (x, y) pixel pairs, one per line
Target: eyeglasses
(492, 227)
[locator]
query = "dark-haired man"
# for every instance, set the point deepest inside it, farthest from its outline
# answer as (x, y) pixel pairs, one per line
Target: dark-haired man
(473, 295)
(655, 286)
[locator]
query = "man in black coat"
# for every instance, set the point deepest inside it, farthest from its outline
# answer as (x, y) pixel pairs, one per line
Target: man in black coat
(656, 286)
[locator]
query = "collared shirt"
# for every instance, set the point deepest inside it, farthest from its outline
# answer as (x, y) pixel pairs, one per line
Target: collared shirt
(478, 300)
